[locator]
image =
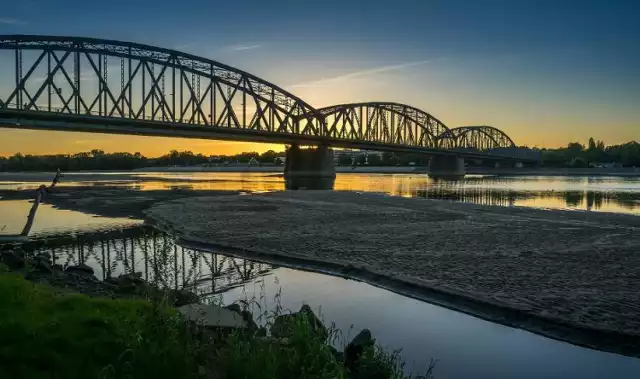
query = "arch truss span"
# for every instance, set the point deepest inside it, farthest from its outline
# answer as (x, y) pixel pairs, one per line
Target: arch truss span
(480, 138)
(74, 76)
(386, 123)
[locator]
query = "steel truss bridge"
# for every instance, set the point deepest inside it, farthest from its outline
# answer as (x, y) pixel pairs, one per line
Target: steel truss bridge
(103, 86)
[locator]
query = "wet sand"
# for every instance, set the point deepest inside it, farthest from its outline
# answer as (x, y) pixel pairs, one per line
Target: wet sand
(566, 274)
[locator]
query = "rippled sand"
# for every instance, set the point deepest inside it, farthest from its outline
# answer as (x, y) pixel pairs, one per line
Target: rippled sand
(577, 268)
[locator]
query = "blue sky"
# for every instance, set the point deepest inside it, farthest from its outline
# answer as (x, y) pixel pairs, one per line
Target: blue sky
(547, 72)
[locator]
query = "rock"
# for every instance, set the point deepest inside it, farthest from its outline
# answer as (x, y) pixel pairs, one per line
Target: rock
(354, 349)
(234, 307)
(246, 316)
(129, 280)
(338, 355)
(183, 297)
(283, 325)
(317, 326)
(81, 269)
(261, 332)
(13, 259)
(211, 316)
(43, 266)
(44, 256)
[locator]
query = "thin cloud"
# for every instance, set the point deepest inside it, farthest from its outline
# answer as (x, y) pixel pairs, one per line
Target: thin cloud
(12, 21)
(245, 47)
(184, 46)
(375, 70)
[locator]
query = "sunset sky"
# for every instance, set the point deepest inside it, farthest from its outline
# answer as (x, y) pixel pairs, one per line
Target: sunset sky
(546, 72)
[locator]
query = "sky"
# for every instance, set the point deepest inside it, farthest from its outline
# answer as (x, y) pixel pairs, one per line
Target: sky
(545, 72)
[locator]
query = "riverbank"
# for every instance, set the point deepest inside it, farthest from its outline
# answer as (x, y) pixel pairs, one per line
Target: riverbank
(130, 328)
(568, 275)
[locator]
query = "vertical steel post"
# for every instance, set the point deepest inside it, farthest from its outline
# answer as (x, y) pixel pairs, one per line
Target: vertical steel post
(173, 93)
(244, 103)
(100, 85)
(49, 80)
(144, 91)
(212, 99)
(76, 69)
(18, 55)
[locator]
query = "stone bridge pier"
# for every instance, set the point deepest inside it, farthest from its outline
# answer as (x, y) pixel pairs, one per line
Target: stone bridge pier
(309, 168)
(448, 167)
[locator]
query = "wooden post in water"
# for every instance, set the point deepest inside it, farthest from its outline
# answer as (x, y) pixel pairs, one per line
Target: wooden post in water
(40, 194)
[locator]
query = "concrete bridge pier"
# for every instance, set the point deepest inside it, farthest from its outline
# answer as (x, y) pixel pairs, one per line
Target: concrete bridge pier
(309, 168)
(448, 167)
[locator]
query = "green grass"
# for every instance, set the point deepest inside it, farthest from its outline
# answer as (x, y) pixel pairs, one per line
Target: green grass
(46, 334)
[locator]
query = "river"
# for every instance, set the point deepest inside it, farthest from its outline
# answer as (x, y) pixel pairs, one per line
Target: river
(597, 193)
(464, 346)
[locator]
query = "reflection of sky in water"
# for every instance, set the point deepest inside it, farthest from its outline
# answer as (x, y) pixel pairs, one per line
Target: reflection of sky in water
(610, 194)
(466, 347)
(49, 220)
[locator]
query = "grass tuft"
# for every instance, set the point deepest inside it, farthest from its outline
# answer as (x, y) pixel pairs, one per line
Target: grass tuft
(48, 334)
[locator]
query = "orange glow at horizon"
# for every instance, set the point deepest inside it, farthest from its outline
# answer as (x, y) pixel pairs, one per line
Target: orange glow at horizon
(50, 142)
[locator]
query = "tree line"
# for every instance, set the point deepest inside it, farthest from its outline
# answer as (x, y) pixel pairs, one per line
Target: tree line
(99, 160)
(573, 155)
(594, 153)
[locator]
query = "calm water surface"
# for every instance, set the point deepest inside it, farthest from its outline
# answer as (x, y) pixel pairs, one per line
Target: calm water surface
(608, 194)
(465, 347)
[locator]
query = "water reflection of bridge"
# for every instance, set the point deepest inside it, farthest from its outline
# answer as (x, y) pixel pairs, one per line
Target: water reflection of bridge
(157, 257)
(587, 200)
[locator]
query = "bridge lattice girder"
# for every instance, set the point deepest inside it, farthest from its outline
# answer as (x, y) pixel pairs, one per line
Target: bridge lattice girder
(481, 138)
(390, 123)
(96, 85)
(87, 76)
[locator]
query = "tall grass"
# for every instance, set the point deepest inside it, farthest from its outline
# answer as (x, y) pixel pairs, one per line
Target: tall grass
(45, 334)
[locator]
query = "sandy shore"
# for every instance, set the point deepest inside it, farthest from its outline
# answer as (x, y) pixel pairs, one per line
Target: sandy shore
(570, 275)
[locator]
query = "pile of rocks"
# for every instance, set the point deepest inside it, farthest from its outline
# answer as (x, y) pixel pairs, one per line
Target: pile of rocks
(81, 278)
(223, 320)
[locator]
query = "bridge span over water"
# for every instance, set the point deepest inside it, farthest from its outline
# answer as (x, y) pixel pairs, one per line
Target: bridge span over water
(103, 86)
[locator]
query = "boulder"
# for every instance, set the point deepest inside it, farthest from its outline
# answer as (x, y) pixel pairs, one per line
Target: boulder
(354, 349)
(338, 355)
(246, 316)
(129, 280)
(81, 269)
(211, 316)
(13, 259)
(44, 256)
(234, 307)
(283, 325)
(182, 297)
(43, 266)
